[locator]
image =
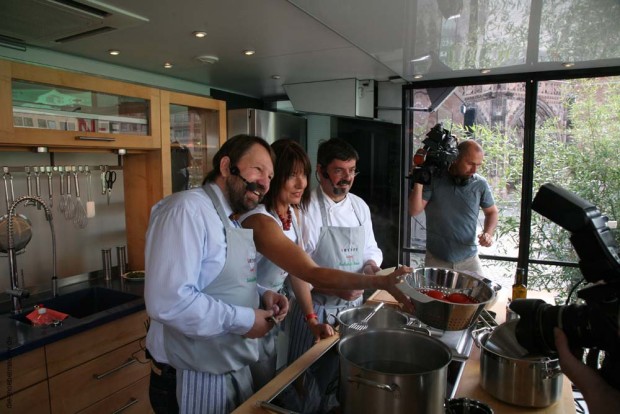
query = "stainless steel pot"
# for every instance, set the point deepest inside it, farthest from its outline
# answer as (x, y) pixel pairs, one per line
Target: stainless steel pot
(385, 318)
(524, 381)
(393, 371)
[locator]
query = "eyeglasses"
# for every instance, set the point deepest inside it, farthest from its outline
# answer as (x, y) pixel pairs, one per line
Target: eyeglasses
(341, 172)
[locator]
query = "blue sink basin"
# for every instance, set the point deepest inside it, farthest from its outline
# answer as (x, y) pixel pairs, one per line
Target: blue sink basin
(83, 303)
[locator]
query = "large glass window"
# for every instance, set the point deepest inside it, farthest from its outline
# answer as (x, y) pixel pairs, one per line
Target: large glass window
(492, 115)
(574, 144)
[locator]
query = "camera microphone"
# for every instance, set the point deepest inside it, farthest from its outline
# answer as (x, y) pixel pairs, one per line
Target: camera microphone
(249, 186)
(337, 191)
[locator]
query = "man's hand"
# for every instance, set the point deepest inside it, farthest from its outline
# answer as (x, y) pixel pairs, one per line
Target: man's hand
(370, 268)
(485, 239)
(262, 324)
(277, 303)
(600, 396)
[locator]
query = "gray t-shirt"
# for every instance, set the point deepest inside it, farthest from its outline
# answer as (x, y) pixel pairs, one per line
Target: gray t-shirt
(452, 216)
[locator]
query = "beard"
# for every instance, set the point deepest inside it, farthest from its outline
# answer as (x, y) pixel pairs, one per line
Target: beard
(238, 196)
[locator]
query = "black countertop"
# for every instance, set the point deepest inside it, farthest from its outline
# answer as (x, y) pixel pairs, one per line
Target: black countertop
(19, 337)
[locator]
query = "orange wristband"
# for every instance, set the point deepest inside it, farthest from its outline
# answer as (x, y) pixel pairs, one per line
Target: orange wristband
(311, 316)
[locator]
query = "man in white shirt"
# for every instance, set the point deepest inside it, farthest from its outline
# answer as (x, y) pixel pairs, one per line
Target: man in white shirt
(337, 234)
(200, 286)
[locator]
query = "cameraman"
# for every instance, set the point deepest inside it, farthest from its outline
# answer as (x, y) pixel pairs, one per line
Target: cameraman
(600, 397)
(454, 200)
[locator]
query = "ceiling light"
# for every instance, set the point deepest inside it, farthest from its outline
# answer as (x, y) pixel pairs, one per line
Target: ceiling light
(167, 65)
(485, 71)
(421, 58)
(114, 52)
(568, 64)
(249, 52)
(454, 16)
(275, 77)
(199, 34)
(208, 59)
(418, 76)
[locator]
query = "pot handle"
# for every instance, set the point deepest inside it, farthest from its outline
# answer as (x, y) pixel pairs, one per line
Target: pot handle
(419, 329)
(391, 388)
(551, 371)
(476, 334)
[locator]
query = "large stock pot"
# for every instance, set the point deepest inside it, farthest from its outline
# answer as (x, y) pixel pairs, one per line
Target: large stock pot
(393, 371)
(510, 376)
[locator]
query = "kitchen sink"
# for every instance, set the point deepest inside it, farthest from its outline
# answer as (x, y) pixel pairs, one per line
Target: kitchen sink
(83, 303)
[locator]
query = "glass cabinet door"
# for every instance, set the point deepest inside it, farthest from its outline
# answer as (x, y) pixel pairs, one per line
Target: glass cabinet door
(42, 106)
(194, 140)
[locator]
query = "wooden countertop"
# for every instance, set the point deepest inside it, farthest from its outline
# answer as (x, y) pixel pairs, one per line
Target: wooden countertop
(468, 386)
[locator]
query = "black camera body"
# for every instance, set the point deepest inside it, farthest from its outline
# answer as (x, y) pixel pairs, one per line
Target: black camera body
(593, 325)
(435, 157)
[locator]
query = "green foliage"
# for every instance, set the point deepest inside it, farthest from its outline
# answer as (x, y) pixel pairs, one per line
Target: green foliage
(580, 155)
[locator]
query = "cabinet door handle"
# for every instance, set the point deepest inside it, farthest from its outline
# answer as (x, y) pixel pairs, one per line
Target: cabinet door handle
(113, 370)
(82, 138)
(131, 402)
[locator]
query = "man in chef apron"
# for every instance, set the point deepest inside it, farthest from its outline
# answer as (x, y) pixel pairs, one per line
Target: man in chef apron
(338, 234)
(200, 287)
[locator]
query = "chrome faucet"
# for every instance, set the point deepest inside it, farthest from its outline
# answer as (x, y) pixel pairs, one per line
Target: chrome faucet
(16, 292)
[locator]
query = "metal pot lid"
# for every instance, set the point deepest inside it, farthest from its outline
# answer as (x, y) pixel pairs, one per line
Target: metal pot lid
(503, 341)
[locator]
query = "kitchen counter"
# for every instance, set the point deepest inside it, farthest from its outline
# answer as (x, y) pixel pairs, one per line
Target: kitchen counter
(469, 384)
(19, 337)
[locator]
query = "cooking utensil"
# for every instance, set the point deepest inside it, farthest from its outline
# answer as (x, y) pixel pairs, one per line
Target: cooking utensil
(90, 203)
(80, 219)
(384, 318)
(393, 371)
(533, 381)
(62, 204)
(363, 324)
(50, 191)
(110, 179)
(22, 228)
(37, 182)
(70, 206)
(441, 314)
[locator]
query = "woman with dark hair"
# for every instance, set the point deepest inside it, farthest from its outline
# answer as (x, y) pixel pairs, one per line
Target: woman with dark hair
(282, 206)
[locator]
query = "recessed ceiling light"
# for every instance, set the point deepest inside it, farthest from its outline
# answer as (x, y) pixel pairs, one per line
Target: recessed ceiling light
(114, 52)
(568, 64)
(418, 76)
(199, 34)
(167, 65)
(276, 77)
(421, 58)
(249, 52)
(485, 71)
(208, 59)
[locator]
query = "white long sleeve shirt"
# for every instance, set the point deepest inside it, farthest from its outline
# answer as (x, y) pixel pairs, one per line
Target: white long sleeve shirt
(185, 251)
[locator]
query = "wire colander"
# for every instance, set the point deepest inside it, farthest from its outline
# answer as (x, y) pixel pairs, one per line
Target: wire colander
(441, 314)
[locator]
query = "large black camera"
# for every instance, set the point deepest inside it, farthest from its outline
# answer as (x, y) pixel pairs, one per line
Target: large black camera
(594, 324)
(439, 151)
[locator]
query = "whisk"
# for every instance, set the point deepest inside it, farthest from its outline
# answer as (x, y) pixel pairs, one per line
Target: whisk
(80, 219)
(70, 206)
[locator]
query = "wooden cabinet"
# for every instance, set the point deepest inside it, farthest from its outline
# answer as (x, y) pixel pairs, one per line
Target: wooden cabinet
(34, 399)
(23, 383)
(41, 107)
(104, 366)
(131, 399)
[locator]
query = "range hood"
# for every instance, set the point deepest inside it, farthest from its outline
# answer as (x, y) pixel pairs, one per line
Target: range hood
(44, 22)
(341, 97)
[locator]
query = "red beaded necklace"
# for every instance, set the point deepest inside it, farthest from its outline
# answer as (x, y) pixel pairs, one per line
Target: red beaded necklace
(286, 222)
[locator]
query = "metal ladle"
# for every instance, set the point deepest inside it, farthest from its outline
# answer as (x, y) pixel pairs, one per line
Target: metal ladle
(21, 226)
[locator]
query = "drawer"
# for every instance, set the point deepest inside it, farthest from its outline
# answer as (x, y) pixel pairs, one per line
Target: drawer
(83, 347)
(22, 371)
(133, 399)
(84, 385)
(33, 399)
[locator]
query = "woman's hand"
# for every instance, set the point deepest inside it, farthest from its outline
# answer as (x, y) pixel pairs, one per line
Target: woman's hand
(395, 278)
(320, 330)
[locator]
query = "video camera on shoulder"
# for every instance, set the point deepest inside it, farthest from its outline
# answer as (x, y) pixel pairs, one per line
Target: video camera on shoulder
(593, 325)
(434, 158)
